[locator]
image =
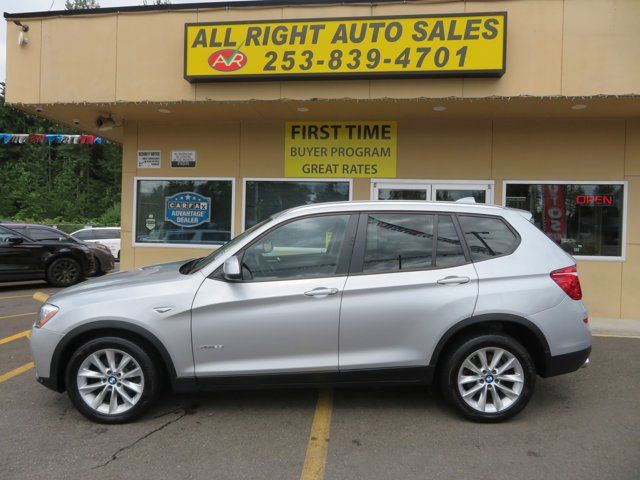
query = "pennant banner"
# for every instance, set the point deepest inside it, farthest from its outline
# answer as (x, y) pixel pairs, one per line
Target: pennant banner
(49, 139)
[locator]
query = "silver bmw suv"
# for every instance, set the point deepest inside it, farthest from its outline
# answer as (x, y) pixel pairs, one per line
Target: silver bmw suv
(472, 298)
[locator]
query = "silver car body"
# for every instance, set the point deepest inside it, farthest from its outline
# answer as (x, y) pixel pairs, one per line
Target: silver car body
(208, 327)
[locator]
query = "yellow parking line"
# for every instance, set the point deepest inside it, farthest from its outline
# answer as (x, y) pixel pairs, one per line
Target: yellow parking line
(16, 371)
(14, 337)
(41, 297)
(15, 296)
(316, 457)
(613, 335)
(17, 315)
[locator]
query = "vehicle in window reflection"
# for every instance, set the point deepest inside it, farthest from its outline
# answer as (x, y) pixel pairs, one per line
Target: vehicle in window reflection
(472, 298)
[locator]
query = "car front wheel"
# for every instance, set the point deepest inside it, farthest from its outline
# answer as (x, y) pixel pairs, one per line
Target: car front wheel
(488, 378)
(64, 272)
(112, 380)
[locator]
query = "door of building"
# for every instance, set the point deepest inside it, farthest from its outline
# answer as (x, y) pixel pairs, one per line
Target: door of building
(440, 191)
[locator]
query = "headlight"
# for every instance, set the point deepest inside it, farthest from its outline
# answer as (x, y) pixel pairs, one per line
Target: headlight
(47, 312)
(104, 248)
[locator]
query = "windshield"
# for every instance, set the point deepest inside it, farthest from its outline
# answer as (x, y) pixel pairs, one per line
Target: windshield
(202, 262)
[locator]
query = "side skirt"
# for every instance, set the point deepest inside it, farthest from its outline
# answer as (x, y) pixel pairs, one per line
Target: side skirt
(385, 376)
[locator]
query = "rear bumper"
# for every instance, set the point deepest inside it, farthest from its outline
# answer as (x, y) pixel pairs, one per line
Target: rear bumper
(567, 363)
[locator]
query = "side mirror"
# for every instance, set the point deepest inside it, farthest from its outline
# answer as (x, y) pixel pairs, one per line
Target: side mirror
(15, 240)
(231, 269)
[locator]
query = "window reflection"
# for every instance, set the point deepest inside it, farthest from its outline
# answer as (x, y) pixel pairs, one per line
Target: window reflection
(584, 219)
(263, 198)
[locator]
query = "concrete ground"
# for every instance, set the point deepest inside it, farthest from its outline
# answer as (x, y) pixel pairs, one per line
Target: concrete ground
(585, 425)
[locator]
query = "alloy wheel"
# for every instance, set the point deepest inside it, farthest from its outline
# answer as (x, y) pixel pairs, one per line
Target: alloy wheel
(490, 380)
(65, 271)
(110, 381)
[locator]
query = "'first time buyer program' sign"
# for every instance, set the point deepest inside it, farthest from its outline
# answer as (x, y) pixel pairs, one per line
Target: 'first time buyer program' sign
(340, 149)
(458, 45)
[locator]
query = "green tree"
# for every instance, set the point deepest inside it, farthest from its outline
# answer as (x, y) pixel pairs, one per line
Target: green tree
(80, 4)
(56, 183)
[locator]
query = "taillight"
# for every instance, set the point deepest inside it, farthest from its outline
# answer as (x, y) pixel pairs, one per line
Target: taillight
(567, 279)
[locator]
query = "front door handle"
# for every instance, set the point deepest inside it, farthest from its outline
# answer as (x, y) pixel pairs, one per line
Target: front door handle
(453, 280)
(321, 292)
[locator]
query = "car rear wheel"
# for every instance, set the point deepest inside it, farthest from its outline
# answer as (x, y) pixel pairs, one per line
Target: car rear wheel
(112, 380)
(64, 272)
(488, 378)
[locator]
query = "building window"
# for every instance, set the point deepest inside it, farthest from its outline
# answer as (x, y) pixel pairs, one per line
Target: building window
(264, 197)
(584, 219)
(183, 211)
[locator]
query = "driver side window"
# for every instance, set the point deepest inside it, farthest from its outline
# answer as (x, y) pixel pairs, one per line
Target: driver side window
(309, 247)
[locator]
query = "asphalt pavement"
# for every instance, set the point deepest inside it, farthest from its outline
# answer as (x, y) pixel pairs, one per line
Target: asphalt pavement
(584, 425)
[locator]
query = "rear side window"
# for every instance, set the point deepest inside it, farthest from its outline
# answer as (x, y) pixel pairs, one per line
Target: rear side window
(107, 234)
(85, 235)
(398, 241)
(487, 237)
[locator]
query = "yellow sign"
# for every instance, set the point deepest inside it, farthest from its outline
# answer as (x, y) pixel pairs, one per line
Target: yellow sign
(404, 46)
(340, 149)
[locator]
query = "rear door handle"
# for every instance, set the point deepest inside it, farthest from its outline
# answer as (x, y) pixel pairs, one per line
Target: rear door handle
(321, 292)
(453, 280)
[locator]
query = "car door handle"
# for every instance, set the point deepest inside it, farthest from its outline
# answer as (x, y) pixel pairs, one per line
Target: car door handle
(453, 280)
(321, 292)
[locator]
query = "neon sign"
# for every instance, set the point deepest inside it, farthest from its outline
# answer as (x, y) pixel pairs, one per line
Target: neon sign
(603, 200)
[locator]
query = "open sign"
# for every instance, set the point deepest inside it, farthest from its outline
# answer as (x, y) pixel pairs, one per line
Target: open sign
(605, 200)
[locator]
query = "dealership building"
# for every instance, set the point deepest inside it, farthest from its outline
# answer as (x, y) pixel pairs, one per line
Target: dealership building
(231, 111)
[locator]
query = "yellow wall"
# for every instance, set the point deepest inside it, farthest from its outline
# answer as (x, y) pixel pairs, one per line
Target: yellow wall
(554, 47)
(516, 149)
(82, 66)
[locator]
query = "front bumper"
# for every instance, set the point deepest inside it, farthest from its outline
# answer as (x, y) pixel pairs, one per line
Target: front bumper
(43, 344)
(567, 363)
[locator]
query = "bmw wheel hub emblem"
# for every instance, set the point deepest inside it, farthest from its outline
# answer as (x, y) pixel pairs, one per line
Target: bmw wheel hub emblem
(112, 380)
(489, 378)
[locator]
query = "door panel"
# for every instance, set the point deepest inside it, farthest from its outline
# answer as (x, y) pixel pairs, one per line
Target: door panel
(18, 258)
(265, 327)
(396, 319)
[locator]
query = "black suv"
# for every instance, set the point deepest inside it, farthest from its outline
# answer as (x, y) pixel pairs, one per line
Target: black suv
(61, 263)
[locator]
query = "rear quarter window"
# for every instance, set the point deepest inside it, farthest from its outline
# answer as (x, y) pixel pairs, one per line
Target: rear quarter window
(84, 235)
(107, 234)
(487, 237)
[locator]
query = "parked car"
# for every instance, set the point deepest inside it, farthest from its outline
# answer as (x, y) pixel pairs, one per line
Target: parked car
(104, 261)
(60, 263)
(473, 298)
(107, 236)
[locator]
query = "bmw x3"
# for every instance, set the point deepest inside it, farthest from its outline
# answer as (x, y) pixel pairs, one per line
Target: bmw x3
(474, 299)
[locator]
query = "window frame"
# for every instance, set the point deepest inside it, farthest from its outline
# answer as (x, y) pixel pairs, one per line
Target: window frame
(356, 266)
(433, 185)
(287, 179)
(136, 244)
(344, 260)
(625, 200)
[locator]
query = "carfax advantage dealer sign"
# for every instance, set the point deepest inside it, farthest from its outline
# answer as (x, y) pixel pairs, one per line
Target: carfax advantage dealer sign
(363, 47)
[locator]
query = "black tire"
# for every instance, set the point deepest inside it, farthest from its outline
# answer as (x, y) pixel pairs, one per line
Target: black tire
(459, 352)
(64, 272)
(151, 378)
(99, 271)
